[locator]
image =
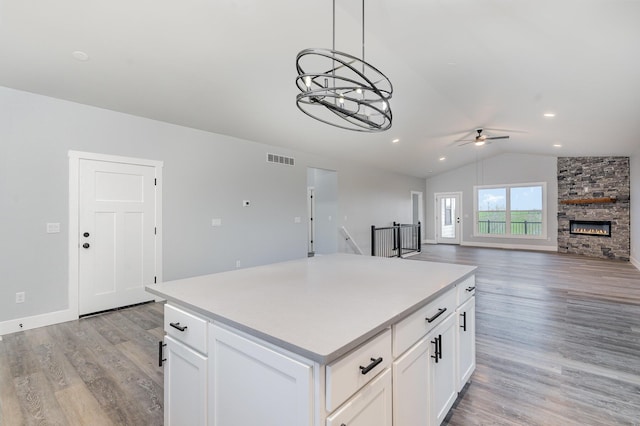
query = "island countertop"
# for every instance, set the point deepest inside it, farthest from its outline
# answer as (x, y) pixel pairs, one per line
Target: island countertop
(319, 307)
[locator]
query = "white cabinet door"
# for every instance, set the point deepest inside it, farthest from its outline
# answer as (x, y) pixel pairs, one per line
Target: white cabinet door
(411, 386)
(371, 406)
(252, 384)
(443, 383)
(466, 315)
(185, 385)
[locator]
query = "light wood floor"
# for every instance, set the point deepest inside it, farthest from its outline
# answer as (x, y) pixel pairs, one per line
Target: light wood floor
(558, 339)
(101, 370)
(558, 343)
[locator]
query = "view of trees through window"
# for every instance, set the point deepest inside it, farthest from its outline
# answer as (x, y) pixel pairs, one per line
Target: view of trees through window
(509, 210)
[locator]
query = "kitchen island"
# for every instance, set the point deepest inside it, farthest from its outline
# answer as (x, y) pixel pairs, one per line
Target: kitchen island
(311, 340)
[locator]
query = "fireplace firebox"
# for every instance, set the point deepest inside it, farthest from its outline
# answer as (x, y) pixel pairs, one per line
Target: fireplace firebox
(599, 228)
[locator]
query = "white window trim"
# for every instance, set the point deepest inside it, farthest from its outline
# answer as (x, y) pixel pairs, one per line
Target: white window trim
(543, 236)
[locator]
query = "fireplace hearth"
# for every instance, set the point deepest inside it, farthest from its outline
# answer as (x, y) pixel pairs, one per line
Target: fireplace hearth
(598, 228)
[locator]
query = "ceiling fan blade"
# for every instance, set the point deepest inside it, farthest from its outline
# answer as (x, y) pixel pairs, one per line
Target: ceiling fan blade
(466, 143)
(497, 137)
(495, 129)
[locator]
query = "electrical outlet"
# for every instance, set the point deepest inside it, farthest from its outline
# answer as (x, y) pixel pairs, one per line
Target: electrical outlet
(237, 263)
(20, 297)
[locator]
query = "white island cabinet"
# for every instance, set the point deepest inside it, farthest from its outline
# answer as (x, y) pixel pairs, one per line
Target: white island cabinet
(327, 341)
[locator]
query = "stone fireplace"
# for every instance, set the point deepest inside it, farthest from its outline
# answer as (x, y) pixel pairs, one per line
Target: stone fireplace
(593, 206)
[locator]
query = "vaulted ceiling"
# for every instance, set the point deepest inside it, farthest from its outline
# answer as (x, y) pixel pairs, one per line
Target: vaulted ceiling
(228, 66)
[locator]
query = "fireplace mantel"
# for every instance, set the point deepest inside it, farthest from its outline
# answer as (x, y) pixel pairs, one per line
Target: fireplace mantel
(589, 200)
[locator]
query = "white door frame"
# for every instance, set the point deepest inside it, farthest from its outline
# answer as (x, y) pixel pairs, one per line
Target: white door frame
(311, 212)
(458, 214)
(420, 194)
(74, 208)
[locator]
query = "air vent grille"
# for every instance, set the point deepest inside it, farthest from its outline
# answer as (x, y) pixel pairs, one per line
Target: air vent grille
(280, 159)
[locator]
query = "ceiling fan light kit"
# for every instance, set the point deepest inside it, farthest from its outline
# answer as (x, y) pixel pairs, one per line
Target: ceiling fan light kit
(481, 139)
(342, 90)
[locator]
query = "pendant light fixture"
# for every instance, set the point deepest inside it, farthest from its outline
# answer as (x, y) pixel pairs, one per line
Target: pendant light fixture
(342, 90)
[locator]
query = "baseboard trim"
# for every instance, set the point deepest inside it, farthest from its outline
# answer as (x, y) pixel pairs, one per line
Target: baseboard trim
(635, 262)
(35, 321)
(510, 246)
(430, 242)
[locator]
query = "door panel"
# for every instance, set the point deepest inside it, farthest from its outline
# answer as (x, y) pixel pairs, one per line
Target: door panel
(117, 234)
(448, 213)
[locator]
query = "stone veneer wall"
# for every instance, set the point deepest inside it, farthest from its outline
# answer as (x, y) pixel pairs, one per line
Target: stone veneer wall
(595, 177)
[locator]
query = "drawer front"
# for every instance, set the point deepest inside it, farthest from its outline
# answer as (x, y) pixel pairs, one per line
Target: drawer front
(417, 325)
(372, 406)
(186, 328)
(357, 368)
(466, 289)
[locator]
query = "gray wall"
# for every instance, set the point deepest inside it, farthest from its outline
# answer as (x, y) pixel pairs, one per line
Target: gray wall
(205, 175)
(634, 165)
(501, 169)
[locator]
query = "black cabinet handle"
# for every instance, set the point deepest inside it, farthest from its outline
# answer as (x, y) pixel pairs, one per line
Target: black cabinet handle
(178, 326)
(471, 288)
(161, 359)
(464, 321)
(435, 349)
(440, 345)
(440, 312)
(374, 363)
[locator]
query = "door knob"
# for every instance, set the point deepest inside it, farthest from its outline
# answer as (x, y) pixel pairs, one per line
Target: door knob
(85, 245)
(86, 234)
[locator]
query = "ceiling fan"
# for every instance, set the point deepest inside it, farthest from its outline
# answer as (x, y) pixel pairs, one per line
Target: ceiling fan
(481, 139)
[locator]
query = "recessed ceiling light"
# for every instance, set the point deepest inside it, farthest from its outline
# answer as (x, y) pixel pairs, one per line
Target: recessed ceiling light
(395, 140)
(557, 145)
(549, 114)
(80, 55)
(442, 158)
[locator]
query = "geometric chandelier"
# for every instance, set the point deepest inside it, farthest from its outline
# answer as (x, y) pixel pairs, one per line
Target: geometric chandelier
(342, 90)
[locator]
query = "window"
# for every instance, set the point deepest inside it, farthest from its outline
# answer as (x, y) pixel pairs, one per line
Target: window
(511, 210)
(447, 211)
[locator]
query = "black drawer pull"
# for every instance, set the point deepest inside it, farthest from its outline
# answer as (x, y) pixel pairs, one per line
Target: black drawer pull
(471, 288)
(161, 359)
(440, 312)
(464, 321)
(178, 326)
(374, 363)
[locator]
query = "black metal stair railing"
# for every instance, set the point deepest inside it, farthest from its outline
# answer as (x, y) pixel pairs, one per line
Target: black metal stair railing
(395, 241)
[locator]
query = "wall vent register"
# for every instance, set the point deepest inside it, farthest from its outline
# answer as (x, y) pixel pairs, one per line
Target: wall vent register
(280, 159)
(600, 228)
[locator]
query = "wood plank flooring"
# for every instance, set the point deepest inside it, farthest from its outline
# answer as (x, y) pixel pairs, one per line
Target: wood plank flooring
(558, 343)
(558, 339)
(99, 370)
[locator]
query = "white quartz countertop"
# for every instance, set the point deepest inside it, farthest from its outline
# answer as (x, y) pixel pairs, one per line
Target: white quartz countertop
(319, 307)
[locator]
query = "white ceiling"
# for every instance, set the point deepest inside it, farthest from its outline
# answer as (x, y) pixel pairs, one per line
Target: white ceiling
(228, 66)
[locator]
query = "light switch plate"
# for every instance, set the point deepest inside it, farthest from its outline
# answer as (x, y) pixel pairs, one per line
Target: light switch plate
(53, 228)
(216, 222)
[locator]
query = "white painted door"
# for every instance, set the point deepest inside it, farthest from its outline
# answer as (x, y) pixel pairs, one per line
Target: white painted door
(251, 384)
(448, 212)
(443, 383)
(466, 341)
(117, 221)
(185, 385)
(411, 386)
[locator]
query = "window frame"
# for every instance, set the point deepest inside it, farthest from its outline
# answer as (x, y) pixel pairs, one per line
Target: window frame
(507, 187)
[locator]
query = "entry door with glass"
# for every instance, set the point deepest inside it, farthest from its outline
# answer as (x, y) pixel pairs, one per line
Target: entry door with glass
(448, 212)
